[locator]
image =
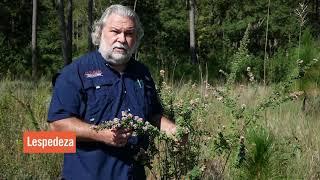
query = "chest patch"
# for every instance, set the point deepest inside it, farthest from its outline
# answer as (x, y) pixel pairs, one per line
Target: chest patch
(93, 73)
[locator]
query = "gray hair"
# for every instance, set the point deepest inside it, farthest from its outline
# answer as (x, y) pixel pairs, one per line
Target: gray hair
(119, 10)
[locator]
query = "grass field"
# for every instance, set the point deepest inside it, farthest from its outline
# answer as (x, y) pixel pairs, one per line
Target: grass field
(283, 144)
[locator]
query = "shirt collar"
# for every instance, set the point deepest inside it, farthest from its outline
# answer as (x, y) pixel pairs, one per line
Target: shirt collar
(129, 70)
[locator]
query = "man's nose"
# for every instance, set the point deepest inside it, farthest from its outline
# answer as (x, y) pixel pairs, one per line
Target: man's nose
(121, 37)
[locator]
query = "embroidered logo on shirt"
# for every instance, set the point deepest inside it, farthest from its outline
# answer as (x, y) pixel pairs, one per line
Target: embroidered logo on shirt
(93, 74)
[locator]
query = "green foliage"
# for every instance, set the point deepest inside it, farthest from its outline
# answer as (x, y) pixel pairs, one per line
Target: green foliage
(243, 138)
(195, 173)
(284, 63)
(49, 42)
(260, 153)
(220, 144)
(240, 58)
(280, 66)
(220, 26)
(23, 106)
(265, 156)
(178, 155)
(253, 158)
(309, 54)
(181, 159)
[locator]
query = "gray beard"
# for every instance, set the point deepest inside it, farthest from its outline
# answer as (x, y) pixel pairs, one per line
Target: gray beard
(115, 59)
(118, 60)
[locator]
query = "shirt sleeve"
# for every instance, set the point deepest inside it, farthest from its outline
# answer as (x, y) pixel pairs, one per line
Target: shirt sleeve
(66, 96)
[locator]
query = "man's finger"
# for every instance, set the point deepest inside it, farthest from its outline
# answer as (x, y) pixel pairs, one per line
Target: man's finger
(123, 134)
(121, 142)
(121, 131)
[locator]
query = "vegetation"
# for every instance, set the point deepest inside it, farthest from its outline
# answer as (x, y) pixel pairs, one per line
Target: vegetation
(219, 27)
(282, 143)
(238, 125)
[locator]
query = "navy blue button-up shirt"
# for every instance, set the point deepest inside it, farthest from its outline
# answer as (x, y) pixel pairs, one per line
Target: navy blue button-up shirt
(92, 91)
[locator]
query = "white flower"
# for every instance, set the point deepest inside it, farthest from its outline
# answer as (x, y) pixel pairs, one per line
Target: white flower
(145, 128)
(162, 73)
(135, 126)
(299, 61)
(219, 98)
(124, 118)
(116, 120)
(124, 113)
(241, 139)
(139, 120)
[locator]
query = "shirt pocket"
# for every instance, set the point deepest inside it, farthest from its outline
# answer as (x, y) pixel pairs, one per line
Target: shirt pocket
(99, 93)
(140, 92)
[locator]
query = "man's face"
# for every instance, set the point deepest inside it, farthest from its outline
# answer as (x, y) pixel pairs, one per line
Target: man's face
(118, 39)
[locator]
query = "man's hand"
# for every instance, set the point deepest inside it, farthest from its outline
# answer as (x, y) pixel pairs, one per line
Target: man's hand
(115, 137)
(171, 130)
(85, 132)
(166, 125)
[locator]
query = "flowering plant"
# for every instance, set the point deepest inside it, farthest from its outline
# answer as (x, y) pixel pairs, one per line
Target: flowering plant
(129, 121)
(138, 127)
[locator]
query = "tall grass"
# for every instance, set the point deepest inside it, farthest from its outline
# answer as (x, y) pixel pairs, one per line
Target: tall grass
(23, 106)
(287, 146)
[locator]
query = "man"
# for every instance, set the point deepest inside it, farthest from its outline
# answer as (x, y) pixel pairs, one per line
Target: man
(98, 87)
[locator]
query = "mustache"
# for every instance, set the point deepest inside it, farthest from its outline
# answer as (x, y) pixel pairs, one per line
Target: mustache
(119, 45)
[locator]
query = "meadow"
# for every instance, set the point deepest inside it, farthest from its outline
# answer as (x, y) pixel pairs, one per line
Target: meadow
(250, 109)
(283, 142)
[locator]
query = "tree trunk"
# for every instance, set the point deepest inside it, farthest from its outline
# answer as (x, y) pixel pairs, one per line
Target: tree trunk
(69, 32)
(317, 9)
(90, 20)
(66, 32)
(265, 48)
(34, 40)
(135, 5)
(192, 31)
(62, 27)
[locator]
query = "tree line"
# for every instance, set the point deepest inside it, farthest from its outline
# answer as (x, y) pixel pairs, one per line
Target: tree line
(188, 38)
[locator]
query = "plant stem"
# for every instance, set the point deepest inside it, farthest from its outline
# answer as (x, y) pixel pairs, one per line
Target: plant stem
(225, 163)
(299, 41)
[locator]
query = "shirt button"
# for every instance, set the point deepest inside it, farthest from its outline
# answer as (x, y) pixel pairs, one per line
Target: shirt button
(125, 92)
(98, 87)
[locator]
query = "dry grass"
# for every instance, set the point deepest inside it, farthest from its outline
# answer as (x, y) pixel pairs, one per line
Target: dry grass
(297, 130)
